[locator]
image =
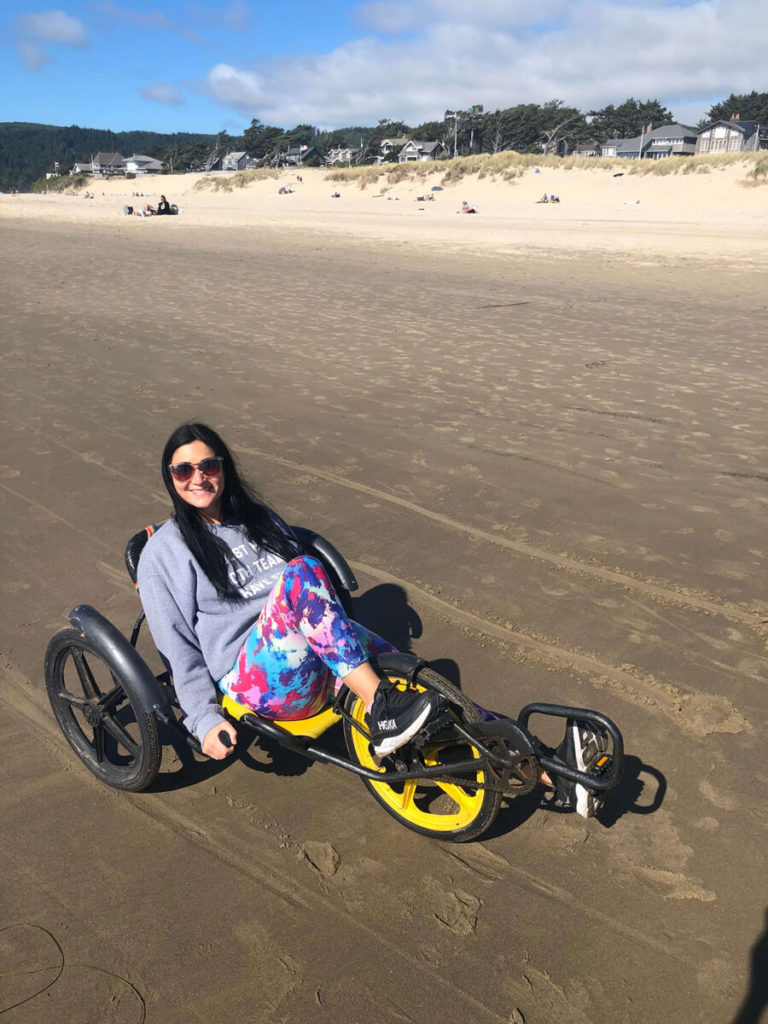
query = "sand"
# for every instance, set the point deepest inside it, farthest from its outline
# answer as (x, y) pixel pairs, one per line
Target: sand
(542, 445)
(697, 216)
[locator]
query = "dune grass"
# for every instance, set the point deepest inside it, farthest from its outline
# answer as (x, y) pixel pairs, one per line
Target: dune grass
(63, 183)
(510, 165)
(758, 174)
(240, 179)
(507, 167)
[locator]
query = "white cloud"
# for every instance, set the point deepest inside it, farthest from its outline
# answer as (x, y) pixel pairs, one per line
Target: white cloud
(150, 21)
(35, 32)
(163, 92)
(386, 17)
(33, 56)
(52, 27)
(501, 52)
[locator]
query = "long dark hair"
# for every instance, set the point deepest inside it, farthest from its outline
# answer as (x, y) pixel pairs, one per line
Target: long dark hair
(240, 506)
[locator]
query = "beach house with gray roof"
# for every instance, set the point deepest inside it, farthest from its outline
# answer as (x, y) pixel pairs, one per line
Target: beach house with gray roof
(234, 162)
(669, 140)
(414, 150)
(108, 163)
(734, 136)
(140, 164)
(297, 156)
(389, 146)
(341, 154)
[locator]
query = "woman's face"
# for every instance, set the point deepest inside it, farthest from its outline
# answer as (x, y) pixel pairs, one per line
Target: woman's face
(202, 492)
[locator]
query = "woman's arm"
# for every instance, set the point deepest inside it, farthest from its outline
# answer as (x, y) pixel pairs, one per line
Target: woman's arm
(170, 624)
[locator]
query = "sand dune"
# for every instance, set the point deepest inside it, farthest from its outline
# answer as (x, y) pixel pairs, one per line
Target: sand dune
(700, 216)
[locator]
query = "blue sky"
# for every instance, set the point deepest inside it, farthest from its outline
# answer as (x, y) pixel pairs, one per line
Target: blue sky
(203, 67)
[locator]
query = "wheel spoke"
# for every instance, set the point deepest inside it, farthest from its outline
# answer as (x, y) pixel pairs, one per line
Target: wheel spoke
(409, 789)
(457, 794)
(98, 743)
(110, 700)
(70, 698)
(119, 735)
(86, 676)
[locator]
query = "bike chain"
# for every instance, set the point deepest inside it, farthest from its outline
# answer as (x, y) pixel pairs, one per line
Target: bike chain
(501, 779)
(526, 786)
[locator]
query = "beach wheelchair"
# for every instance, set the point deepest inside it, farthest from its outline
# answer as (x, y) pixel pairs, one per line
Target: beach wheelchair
(448, 782)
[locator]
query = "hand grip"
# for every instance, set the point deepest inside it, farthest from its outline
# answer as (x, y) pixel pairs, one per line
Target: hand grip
(225, 738)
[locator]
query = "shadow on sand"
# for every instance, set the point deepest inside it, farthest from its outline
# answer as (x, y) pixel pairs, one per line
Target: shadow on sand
(756, 999)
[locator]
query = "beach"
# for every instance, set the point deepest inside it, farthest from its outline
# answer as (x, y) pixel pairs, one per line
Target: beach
(711, 214)
(538, 434)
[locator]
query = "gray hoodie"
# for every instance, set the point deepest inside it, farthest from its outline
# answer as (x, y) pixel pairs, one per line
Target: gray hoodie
(198, 633)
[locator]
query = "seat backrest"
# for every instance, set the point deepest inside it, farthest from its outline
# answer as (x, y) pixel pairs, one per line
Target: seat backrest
(133, 550)
(311, 542)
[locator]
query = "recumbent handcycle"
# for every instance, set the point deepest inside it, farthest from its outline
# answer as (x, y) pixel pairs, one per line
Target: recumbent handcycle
(448, 782)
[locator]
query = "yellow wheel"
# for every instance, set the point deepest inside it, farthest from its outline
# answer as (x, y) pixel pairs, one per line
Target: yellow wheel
(454, 810)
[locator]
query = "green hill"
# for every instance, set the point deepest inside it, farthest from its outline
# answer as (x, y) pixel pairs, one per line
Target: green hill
(29, 151)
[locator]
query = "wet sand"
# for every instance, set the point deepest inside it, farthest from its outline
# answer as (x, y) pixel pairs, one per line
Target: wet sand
(550, 476)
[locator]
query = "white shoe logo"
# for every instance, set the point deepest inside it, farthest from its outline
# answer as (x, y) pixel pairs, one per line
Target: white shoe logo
(387, 723)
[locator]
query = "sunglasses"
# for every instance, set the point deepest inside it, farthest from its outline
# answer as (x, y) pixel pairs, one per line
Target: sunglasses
(186, 470)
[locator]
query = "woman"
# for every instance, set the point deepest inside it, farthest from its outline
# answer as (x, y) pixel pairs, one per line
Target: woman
(234, 603)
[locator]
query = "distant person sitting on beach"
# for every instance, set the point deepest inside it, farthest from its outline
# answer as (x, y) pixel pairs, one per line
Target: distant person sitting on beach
(163, 206)
(335, 195)
(544, 199)
(467, 208)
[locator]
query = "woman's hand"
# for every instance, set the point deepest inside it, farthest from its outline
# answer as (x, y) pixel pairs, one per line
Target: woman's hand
(212, 745)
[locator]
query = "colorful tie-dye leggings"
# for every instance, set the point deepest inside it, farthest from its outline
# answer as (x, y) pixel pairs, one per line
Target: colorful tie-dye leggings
(301, 639)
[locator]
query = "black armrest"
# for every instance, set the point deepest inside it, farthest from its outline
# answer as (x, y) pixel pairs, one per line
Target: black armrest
(133, 550)
(315, 543)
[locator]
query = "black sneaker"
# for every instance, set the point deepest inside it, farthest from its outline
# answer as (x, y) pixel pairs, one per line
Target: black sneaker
(397, 715)
(584, 747)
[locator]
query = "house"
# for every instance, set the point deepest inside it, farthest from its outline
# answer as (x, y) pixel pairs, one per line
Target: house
(389, 146)
(669, 140)
(139, 164)
(82, 167)
(108, 163)
(296, 156)
(586, 149)
(342, 155)
(734, 136)
(414, 150)
(235, 162)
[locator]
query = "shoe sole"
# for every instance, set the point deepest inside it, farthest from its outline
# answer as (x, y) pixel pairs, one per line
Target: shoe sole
(587, 804)
(393, 742)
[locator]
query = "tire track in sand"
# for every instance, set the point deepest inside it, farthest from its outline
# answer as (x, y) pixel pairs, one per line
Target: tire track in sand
(661, 592)
(657, 591)
(18, 692)
(692, 711)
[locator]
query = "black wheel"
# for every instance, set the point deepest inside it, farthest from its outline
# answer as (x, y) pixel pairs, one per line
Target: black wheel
(452, 810)
(106, 725)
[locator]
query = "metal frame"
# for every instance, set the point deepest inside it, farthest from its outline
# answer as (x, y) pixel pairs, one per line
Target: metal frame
(156, 694)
